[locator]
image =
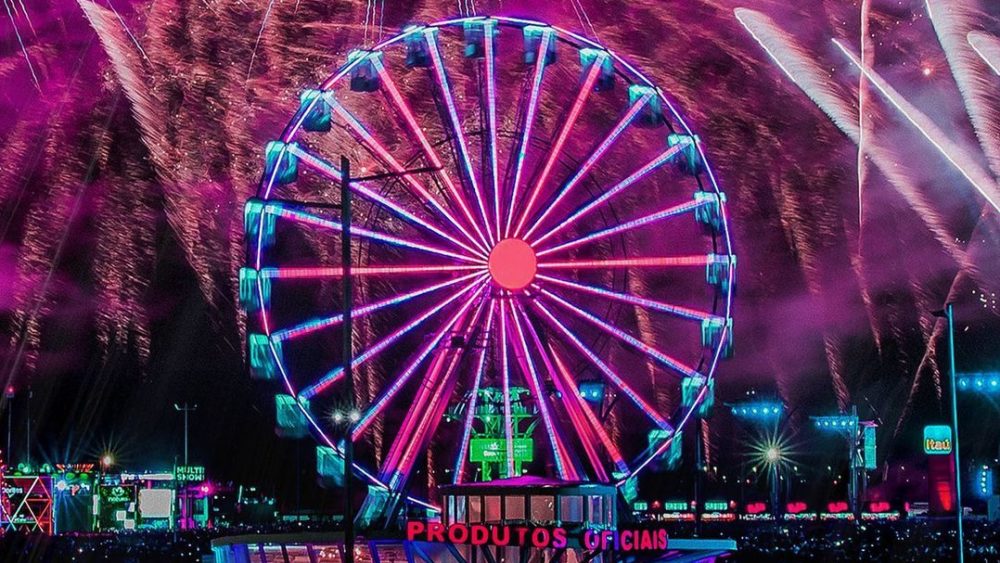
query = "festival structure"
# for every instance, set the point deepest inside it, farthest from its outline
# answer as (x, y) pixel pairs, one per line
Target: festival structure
(542, 274)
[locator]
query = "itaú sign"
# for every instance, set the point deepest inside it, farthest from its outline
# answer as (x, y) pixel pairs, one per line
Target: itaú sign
(540, 537)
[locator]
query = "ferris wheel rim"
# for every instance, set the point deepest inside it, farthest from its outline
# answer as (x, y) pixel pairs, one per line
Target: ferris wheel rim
(293, 129)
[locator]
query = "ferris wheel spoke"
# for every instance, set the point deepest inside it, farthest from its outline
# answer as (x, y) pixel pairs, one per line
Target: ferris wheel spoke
(620, 334)
(529, 122)
(470, 413)
(683, 312)
(441, 78)
(508, 424)
(595, 423)
(627, 226)
(286, 212)
(427, 409)
(629, 263)
(606, 371)
(574, 114)
(658, 161)
(491, 117)
(565, 466)
(314, 325)
(404, 110)
(335, 374)
(385, 156)
(601, 149)
(329, 171)
(569, 396)
(389, 393)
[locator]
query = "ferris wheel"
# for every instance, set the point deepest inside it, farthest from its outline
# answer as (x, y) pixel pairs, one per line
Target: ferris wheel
(565, 256)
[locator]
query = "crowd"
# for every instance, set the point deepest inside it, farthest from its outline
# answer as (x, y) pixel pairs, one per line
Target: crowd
(907, 540)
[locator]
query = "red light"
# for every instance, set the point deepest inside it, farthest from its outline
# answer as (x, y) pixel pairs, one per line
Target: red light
(795, 507)
(513, 264)
(756, 508)
(836, 507)
(879, 506)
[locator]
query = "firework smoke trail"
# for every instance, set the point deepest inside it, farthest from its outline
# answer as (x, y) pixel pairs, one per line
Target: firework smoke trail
(952, 23)
(260, 33)
(987, 47)
(805, 73)
(20, 42)
(959, 158)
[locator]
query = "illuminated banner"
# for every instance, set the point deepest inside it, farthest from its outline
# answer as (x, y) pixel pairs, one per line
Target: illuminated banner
(538, 537)
(494, 450)
(937, 439)
(189, 473)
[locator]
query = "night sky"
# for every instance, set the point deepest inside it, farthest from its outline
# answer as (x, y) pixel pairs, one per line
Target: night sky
(128, 153)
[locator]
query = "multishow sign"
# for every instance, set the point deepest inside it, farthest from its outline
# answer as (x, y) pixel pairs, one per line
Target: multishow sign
(538, 537)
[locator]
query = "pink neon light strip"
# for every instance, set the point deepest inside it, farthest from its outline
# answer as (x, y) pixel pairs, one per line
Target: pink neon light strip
(627, 226)
(618, 382)
(508, 424)
(375, 408)
(615, 133)
(321, 323)
(529, 121)
(652, 262)
(581, 97)
(564, 463)
(298, 273)
(608, 194)
(609, 444)
(438, 402)
(683, 312)
(456, 125)
(328, 170)
(334, 375)
(470, 414)
(395, 166)
(625, 337)
(491, 114)
(315, 220)
(579, 423)
(432, 155)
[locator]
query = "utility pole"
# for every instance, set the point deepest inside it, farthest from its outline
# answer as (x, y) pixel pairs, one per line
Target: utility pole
(348, 353)
(9, 395)
(27, 451)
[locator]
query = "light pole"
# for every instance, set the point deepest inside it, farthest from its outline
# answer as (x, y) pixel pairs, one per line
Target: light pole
(347, 282)
(186, 409)
(949, 314)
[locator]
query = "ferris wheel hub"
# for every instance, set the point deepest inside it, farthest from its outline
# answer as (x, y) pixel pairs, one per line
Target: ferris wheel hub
(513, 264)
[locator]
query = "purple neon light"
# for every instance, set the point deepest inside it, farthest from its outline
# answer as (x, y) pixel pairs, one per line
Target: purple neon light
(625, 337)
(564, 464)
(574, 113)
(309, 327)
(315, 220)
(394, 164)
(658, 161)
(647, 262)
(570, 398)
(627, 226)
(375, 408)
(470, 413)
(442, 80)
(529, 122)
(609, 445)
(318, 272)
(425, 412)
(505, 379)
(411, 121)
(335, 374)
(326, 169)
(601, 149)
(491, 114)
(615, 380)
(683, 312)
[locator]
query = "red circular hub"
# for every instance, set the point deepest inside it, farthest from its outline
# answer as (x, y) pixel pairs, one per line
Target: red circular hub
(513, 264)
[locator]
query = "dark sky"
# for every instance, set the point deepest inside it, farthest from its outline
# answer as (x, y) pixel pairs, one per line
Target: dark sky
(124, 171)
